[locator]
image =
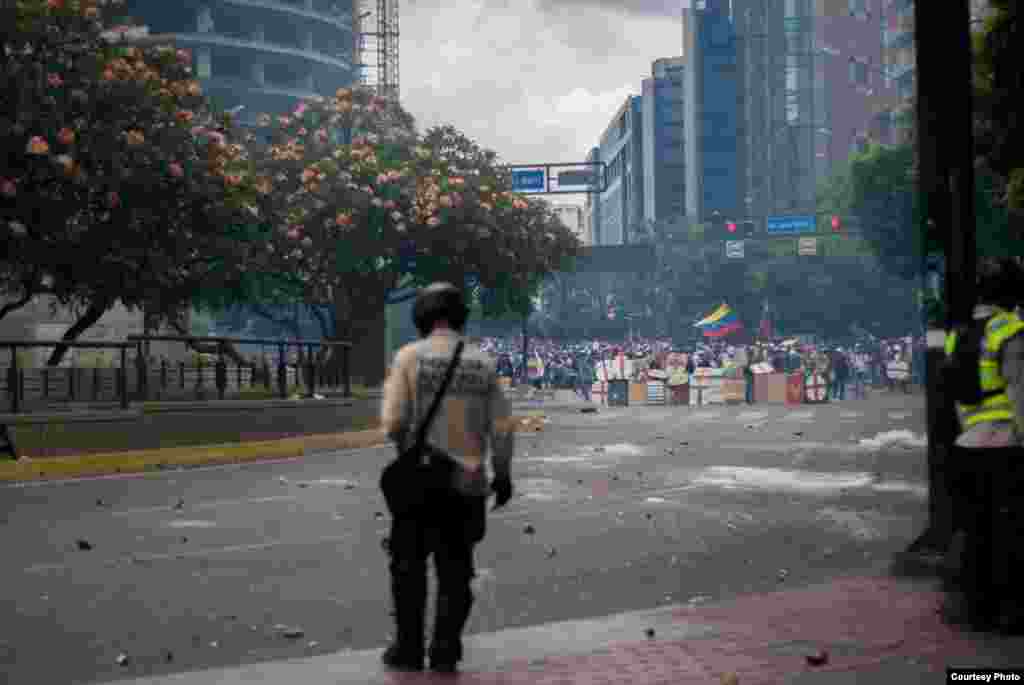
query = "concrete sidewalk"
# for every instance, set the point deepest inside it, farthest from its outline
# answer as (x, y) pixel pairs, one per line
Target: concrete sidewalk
(873, 629)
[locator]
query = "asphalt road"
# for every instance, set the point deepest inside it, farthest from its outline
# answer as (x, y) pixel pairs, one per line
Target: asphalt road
(632, 508)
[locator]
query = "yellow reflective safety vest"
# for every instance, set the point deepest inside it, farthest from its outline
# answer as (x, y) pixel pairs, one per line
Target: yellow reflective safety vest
(997, 405)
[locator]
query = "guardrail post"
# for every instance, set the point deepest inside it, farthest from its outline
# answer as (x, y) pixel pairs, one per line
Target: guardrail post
(143, 373)
(163, 376)
(266, 373)
(221, 372)
(45, 373)
(95, 383)
(72, 372)
(346, 376)
(199, 379)
(13, 383)
(181, 375)
(122, 378)
(310, 372)
(282, 374)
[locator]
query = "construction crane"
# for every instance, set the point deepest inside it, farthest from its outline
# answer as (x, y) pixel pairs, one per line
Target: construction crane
(378, 45)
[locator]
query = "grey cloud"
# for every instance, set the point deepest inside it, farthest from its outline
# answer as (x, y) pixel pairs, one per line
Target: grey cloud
(649, 8)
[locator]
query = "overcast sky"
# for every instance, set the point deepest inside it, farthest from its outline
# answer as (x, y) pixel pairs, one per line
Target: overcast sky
(533, 80)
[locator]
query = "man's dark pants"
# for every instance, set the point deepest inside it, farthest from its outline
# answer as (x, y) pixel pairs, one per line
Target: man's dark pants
(989, 506)
(448, 528)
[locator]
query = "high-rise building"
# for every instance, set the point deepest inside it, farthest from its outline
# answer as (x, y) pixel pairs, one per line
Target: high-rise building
(711, 110)
(262, 55)
(815, 88)
(616, 212)
(663, 149)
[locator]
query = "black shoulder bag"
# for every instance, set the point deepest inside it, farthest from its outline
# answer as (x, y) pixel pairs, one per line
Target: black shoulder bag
(406, 481)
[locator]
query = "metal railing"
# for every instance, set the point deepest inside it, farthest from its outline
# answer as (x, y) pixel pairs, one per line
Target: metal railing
(164, 379)
(312, 369)
(16, 375)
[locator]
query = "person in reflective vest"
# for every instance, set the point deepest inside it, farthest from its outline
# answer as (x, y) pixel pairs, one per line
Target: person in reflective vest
(988, 462)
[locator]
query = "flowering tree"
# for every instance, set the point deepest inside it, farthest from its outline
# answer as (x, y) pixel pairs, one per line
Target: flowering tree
(361, 204)
(116, 181)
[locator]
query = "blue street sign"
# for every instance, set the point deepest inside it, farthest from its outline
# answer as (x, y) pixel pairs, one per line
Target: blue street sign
(787, 225)
(527, 180)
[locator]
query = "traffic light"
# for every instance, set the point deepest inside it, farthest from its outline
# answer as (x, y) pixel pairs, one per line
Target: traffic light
(837, 224)
(731, 228)
(749, 228)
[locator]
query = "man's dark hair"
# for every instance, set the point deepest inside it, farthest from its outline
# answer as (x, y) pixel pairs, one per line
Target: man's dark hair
(439, 302)
(1000, 282)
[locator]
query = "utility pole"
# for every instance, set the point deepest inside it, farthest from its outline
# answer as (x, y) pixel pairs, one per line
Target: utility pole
(945, 147)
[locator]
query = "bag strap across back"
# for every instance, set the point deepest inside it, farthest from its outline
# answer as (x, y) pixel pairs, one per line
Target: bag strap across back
(421, 432)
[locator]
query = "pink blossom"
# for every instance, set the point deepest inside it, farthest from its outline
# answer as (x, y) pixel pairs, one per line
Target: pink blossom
(303, 131)
(55, 80)
(382, 179)
(433, 221)
(7, 187)
(184, 56)
(176, 170)
(293, 233)
(37, 145)
(113, 200)
(300, 110)
(389, 204)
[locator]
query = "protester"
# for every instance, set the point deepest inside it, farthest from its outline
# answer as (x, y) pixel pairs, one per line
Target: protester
(450, 519)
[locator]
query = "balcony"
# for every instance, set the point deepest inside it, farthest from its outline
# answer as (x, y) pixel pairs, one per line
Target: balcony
(215, 40)
(313, 15)
(898, 38)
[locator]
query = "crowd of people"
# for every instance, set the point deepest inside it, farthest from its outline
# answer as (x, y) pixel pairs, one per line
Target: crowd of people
(893, 363)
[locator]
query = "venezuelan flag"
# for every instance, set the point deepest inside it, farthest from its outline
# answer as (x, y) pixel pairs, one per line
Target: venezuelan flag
(721, 322)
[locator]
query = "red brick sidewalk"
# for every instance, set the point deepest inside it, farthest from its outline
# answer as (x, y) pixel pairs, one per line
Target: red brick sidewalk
(864, 624)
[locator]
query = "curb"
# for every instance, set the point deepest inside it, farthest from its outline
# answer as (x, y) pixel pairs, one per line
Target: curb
(141, 461)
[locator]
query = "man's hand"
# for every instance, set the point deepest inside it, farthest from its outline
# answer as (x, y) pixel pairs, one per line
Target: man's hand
(502, 487)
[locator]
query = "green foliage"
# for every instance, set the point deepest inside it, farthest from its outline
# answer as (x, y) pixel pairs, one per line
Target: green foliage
(113, 184)
(999, 80)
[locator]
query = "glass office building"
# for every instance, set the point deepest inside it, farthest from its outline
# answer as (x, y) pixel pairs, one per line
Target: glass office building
(261, 54)
(664, 167)
(711, 110)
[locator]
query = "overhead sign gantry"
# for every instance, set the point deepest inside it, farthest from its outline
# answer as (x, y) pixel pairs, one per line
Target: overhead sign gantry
(554, 179)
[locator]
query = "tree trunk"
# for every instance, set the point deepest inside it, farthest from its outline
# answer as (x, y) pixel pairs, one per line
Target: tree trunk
(92, 314)
(362, 320)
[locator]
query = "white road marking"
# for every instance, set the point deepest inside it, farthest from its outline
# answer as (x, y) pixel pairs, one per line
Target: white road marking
(185, 523)
(209, 504)
(751, 416)
(705, 415)
(745, 477)
(892, 438)
(799, 416)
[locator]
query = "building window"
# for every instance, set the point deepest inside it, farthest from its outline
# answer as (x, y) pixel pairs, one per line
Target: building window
(860, 74)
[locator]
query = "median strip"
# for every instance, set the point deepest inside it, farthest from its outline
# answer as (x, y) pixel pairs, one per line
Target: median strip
(139, 461)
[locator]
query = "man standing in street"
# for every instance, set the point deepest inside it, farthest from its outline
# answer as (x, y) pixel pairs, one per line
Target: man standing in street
(988, 457)
(473, 416)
